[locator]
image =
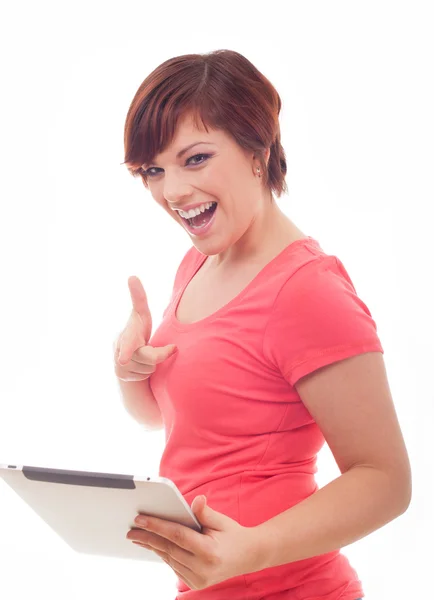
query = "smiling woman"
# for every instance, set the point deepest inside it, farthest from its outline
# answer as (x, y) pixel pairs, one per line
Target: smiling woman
(276, 355)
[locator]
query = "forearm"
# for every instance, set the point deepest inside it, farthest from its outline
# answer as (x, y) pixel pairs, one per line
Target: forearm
(140, 403)
(345, 510)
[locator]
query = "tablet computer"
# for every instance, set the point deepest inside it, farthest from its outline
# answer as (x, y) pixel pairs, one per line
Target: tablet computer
(93, 512)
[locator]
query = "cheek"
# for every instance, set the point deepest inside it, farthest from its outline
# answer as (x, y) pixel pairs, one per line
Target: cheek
(173, 214)
(213, 181)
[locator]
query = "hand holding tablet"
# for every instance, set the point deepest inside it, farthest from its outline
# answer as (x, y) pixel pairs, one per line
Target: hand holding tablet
(93, 512)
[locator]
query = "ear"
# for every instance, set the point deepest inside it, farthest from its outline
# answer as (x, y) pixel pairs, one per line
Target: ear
(267, 155)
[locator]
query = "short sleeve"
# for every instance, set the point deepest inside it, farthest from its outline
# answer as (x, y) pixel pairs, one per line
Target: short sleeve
(317, 319)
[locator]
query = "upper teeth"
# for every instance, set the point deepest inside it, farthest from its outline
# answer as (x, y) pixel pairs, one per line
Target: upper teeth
(195, 211)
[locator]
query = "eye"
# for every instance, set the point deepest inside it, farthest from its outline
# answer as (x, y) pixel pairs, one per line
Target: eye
(196, 155)
(151, 171)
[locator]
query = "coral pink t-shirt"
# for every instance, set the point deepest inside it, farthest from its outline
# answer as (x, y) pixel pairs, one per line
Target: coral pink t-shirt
(235, 428)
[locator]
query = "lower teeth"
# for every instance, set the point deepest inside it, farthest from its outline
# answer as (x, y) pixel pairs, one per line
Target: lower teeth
(196, 226)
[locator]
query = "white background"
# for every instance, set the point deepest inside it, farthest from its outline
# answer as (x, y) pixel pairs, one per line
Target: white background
(356, 81)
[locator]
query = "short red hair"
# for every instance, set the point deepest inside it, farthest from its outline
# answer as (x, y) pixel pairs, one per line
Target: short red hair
(223, 90)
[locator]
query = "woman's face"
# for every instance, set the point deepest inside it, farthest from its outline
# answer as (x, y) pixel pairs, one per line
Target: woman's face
(216, 170)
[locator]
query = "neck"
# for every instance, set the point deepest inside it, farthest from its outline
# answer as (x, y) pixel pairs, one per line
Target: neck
(269, 233)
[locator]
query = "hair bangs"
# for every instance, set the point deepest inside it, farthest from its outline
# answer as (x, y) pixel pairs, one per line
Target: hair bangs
(219, 89)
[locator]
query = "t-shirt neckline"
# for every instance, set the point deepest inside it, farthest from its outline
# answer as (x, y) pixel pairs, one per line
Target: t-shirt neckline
(188, 326)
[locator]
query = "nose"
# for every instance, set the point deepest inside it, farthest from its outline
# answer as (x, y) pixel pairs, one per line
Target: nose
(176, 188)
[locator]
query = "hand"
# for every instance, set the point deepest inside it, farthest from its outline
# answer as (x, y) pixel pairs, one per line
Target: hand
(224, 549)
(134, 359)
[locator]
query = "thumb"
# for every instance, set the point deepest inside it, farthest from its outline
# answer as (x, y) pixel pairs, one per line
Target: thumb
(122, 359)
(161, 354)
(206, 515)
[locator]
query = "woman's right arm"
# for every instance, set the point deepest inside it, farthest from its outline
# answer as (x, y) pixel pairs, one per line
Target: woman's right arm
(135, 360)
(140, 403)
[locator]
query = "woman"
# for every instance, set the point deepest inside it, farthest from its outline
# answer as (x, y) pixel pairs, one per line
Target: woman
(276, 354)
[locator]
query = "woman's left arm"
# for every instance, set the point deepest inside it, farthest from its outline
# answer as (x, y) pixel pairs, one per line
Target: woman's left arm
(351, 402)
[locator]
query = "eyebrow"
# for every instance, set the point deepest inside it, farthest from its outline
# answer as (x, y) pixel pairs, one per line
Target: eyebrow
(184, 150)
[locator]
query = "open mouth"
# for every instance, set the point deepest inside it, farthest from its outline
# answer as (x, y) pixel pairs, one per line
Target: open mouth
(199, 221)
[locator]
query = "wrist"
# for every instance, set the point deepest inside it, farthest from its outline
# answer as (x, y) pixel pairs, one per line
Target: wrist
(261, 548)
